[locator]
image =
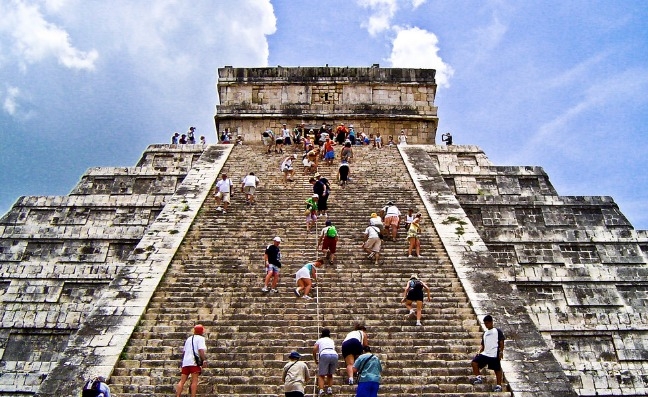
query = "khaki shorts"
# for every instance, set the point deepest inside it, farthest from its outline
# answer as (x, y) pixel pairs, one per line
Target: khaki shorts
(225, 197)
(373, 244)
(249, 190)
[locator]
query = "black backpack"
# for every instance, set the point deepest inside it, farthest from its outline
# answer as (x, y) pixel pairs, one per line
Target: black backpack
(417, 285)
(91, 389)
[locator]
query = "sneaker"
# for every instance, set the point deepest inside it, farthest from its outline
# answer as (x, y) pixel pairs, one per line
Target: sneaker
(274, 291)
(219, 208)
(224, 212)
(350, 381)
(321, 392)
(306, 297)
(329, 390)
(409, 256)
(296, 291)
(418, 323)
(497, 388)
(478, 380)
(264, 289)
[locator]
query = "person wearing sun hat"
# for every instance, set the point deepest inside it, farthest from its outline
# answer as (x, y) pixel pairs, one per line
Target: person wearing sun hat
(295, 375)
(194, 350)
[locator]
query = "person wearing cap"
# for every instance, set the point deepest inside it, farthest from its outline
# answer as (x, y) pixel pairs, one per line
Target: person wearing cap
(194, 347)
(311, 212)
(287, 167)
(191, 138)
(175, 138)
(375, 220)
(326, 359)
(353, 345)
(344, 170)
(368, 368)
(295, 376)
(413, 236)
(372, 242)
(327, 242)
(414, 293)
(249, 185)
(352, 135)
(305, 277)
(392, 219)
(272, 259)
(224, 187)
(490, 354)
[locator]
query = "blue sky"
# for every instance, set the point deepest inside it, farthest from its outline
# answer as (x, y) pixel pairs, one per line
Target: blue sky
(559, 84)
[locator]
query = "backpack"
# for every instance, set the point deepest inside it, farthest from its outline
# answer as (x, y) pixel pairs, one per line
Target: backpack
(331, 232)
(417, 285)
(91, 389)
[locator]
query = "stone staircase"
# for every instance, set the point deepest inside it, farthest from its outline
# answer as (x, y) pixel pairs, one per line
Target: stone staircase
(217, 274)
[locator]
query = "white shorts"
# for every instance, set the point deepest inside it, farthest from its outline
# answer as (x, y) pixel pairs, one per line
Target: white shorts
(302, 273)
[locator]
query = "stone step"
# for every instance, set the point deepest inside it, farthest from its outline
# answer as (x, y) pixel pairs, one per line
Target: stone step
(216, 275)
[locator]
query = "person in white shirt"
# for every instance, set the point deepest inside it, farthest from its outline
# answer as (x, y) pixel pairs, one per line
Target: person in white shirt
(295, 376)
(287, 168)
(194, 348)
(392, 219)
(372, 242)
(326, 359)
(224, 187)
(490, 354)
(402, 138)
(248, 186)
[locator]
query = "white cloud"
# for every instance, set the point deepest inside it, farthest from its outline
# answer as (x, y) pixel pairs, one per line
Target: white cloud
(9, 104)
(418, 48)
(33, 39)
(383, 12)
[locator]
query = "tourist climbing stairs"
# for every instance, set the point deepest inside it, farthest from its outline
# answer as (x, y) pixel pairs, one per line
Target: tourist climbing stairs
(217, 274)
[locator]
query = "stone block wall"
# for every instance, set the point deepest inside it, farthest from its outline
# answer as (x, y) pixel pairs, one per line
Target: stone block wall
(375, 100)
(577, 262)
(58, 254)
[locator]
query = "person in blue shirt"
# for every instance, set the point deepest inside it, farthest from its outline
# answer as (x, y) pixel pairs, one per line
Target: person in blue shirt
(368, 369)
